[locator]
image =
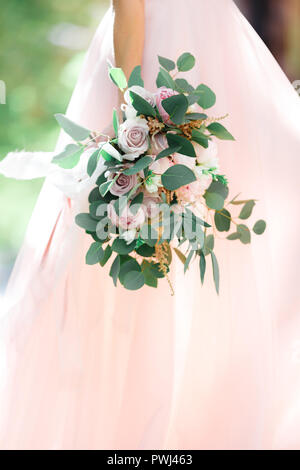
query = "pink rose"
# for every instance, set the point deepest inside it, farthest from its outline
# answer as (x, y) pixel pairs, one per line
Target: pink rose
(127, 220)
(123, 184)
(162, 94)
(133, 137)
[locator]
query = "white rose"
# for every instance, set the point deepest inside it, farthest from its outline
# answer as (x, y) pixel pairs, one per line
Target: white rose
(133, 136)
(145, 94)
(207, 158)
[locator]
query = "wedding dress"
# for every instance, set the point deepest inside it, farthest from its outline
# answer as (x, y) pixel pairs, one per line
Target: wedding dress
(87, 366)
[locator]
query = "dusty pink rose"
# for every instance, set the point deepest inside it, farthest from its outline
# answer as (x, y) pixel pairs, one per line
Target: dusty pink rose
(133, 137)
(123, 184)
(162, 94)
(127, 220)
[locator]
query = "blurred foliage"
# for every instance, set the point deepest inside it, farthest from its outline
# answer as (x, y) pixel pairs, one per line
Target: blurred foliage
(40, 58)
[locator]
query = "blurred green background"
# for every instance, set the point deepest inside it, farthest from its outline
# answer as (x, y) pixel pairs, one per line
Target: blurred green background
(42, 48)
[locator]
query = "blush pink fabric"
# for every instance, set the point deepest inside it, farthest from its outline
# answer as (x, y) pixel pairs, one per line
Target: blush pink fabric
(88, 366)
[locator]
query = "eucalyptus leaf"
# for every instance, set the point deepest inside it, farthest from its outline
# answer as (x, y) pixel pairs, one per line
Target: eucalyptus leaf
(176, 106)
(245, 234)
(120, 246)
(118, 77)
(183, 86)
(92, 163)
(207, 97)
(115, 269)
(142, 106)
(260, 227)
(177, 176)
(127, 267)
(247, 210)
(223, 220)
(95, 254)
(215, 195)
(139, 165)
(87, 222)
(202, 264)
(69, 158)
(75, 131)
(134, 280)
(186, 62)
(216, 271)
(234, 236)
(186, 147)
(106, 256)
(167, 64)
(115, 122)
(168, 151)
(135, 78)
(219, 131)
(165, 79)
(180, 255)
(200, 138)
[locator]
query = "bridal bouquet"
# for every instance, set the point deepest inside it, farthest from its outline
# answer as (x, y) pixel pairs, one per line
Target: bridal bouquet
(158, 188)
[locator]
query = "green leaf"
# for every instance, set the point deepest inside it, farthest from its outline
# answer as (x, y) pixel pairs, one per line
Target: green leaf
(247, 210)
(177, 176)
(183, 86)
(260, 227)
(94, 254)
(180, 255)
(120, 246)
(215, 195)
(115, 269)
(168, 151)
(202, 264)
(127, 267)
(92, 163)
(115, 121)
(165, 79)
(176, 106)
(223, 220)
(105, 187)
(234, 236)
(245, 234)
(135, 78)
(152, 269)
(118, 78)
(207, 97)
(140, 165)
(95, 195)
(186, 62)
(75, 131)
(220, 131)
(195, 116)
(167, 64)
(87, 222)
(69, 158)
(134, 280)
(142, 106)
(106, 255)
(98, 209)
(188, 260)
(186, 147)
(209, 244)
(216, 271)
(200, 138)
(145, 250)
